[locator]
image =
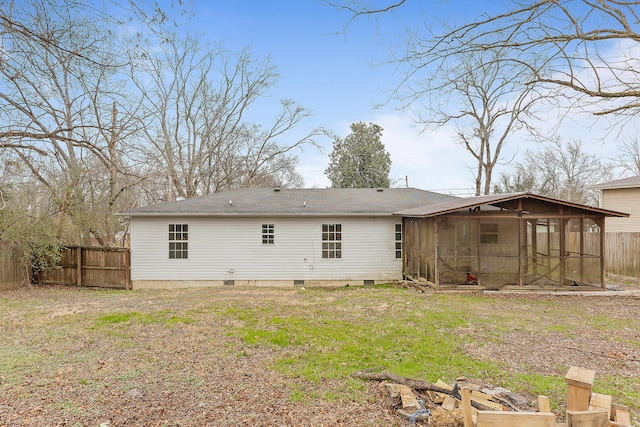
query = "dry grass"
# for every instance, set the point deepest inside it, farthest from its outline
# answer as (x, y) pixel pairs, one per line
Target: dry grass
(271, 357)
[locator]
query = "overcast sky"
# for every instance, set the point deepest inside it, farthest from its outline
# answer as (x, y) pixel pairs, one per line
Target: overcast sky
(338, 76)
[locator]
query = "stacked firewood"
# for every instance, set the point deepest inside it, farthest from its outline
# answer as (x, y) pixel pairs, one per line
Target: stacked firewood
(471, 403)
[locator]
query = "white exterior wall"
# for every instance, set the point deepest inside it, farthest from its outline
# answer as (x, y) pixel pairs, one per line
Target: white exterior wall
(231, 249)
(625, 200)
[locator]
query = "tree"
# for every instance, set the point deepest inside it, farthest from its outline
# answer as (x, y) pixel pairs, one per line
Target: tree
(487, 100)
(359, 160)
(93, 119)
(629, 158)
(196, 100)
(562, 170)
(64, 112)
(579, 47)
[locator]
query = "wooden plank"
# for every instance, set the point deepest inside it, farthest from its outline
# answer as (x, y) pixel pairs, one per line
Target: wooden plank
(579, 383)
(409, 401)
(601, 402)
(515, 419)
(78, 266)
(443, 385)
(620, 414)
(488, 403)
(543, 404)
(580, 376)
(466, 407)
(449, 403)
(480, 395)
(587, 418)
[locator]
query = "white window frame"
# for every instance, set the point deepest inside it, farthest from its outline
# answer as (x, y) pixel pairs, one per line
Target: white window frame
(331, 241)
(398, 240)
(268, 234)
(178, 241)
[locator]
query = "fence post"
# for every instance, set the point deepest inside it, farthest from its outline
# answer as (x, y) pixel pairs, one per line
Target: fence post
(127, 270)
(79, 266)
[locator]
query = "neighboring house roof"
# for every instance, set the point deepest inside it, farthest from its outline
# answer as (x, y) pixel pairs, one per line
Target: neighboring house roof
(631, 182)
(297, 202)
(498, 201)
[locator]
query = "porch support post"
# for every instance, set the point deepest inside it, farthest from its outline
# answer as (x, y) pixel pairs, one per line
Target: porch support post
(479, 256)
(581, 250)
(563, 251)
(436, 268)
(603, 265)
(534, 245)
(521, 238)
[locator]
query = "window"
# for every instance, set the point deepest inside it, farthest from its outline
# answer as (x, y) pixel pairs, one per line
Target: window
(268, 234)
(488, 233)
(398, 240)
(331, 240)
(178, 245)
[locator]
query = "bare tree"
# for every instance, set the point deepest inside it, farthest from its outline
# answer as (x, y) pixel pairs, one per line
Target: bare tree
(562, 170)
(483, 95)
(64, 112)
(629, 157)
(583, 48)
(197, 99)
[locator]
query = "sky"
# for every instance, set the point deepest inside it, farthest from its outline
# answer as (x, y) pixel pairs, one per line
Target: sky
(340, 76)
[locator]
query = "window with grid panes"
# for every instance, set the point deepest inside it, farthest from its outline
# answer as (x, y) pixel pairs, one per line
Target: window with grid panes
(398, 240)
(268, 234)
(488, 233)
(178, 241)
(331, 241)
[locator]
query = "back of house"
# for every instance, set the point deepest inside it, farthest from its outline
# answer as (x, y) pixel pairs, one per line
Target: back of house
(273, 237)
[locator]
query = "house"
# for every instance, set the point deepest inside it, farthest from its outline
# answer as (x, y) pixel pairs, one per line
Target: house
(273, 237)
(518, 240)
(622, 194)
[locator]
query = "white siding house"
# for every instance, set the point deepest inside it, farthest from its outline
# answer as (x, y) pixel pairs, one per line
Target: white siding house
(272, 237)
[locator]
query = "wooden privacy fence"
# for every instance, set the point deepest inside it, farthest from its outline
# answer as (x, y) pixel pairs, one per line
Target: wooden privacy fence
(12, 274)
(90, 266)
(622, 254)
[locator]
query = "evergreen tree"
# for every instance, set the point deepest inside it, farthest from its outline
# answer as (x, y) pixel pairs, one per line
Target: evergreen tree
(360, 159)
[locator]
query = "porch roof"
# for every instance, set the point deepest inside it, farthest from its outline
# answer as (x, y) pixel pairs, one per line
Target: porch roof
(531, 203)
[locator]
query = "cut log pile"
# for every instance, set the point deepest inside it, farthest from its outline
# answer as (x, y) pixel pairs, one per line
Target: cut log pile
(470, 403)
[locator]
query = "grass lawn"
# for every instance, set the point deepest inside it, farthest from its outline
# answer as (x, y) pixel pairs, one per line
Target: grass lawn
(284, 356)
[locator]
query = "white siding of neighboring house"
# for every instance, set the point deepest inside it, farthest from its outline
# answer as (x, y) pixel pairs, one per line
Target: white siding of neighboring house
(231, 249)
(625, 200)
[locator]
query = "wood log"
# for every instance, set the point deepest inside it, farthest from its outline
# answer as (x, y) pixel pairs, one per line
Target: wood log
(414, 384)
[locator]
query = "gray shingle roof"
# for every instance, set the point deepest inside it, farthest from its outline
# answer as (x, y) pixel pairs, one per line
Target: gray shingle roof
(497, 201)
(297, 202)
(631, 182)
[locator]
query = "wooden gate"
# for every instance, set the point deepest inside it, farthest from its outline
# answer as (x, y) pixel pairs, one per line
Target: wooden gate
(91, 266)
